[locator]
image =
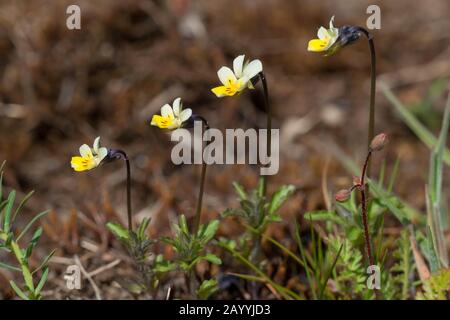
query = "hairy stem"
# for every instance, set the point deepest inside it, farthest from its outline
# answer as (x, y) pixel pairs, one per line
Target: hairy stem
(364, 210)
(373, 81)
(123, 155)
(268, 126)
(198, 211)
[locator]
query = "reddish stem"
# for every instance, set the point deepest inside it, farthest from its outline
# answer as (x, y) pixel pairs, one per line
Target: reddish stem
(362, 189)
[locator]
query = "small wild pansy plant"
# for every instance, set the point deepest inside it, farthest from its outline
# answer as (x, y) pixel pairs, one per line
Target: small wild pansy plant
(137, 242)
(246, 75)
(175, 117)
(188, 245)
(331, 40)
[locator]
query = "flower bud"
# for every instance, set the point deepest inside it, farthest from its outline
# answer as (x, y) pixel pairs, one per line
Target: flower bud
(342, 195)
(378, 142)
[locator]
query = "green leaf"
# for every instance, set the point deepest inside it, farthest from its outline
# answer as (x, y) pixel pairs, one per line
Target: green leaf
(7, 266)
(22, 203)
(28, 226)
(353, 234)
(164, 266)
(207, 288)
(230, 212)
(240, 191)
(18, 291)
(41, 282)
(44, 262)
(8, 211)
(37, 234)
(279, 197)
(1, 179)
(323, 216)
(274, 218)
(213, 259)
(260, 188)
(143, 227)
(208, 231)
(118, 230)
(183, 224)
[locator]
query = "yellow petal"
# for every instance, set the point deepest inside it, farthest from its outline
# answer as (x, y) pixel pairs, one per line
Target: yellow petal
(82, 164)
(317, 45)
(223, 91)
(162, 122)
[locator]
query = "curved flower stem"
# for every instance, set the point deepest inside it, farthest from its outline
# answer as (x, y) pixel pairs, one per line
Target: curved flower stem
(373, 82)
(364, 210)
(262, 77)
(198, 211)
(123, 155)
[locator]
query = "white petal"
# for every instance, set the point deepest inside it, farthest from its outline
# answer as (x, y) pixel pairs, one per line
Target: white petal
(331, 23)
(166, 111)
(85, 151)
(322, 34)
(96, 145)
(252, 69)
(238, 64)
(102, 152)
(177, 107)
(225, 74)
(185, 114)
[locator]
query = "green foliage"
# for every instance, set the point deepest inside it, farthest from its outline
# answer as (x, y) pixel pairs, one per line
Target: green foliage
(10, 243)
(190, 248)
(436, 287)
(255, 210)
(207, 288)
(437, 216)
(350, 276)
(403, 267)
(411, 121)
(139, 246)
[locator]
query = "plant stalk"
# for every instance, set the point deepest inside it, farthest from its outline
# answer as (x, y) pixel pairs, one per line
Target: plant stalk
(198, 211)
(362, 188)
(124, 156)
(262, 77)
(373, 82)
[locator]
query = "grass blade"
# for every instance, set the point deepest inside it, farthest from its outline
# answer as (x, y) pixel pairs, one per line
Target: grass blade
(410, 120)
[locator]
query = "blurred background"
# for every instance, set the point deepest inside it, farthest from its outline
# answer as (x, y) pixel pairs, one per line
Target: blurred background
(61, 88)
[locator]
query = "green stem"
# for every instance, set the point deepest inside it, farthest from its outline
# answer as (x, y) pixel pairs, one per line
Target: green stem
(26, 273)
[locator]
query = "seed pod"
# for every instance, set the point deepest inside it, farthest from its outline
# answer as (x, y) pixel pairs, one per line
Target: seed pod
(342, 195)
(378, 142)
